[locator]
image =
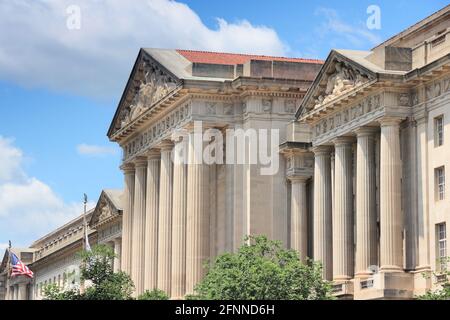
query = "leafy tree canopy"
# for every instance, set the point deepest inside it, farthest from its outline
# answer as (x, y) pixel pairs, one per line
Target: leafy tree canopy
(155, 294)
(96, 268)
(261, 270)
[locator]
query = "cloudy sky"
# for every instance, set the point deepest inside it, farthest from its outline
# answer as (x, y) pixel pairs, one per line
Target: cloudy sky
(60, 80)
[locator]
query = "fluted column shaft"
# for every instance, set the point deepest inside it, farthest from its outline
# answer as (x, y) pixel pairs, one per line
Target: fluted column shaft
(151, 221)
(343, 258)
(127, 217)
(423, 198)
(179, 221)
(165, 220)
(198, 236)
(299, 216)
(138, 236)
(322, 247)
(366, 215)
(391, 242)
(22, 291)
(118, 253)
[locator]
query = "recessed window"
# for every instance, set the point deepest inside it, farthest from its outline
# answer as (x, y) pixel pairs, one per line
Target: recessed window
(441, 236)
(438, 131)
(440, 183)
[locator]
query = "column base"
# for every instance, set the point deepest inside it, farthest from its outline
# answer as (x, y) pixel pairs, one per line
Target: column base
(385, 286)
(339, 279)
(387, 269)
(363, 275)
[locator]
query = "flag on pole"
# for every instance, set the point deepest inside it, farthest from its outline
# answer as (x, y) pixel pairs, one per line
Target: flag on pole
(18, 267)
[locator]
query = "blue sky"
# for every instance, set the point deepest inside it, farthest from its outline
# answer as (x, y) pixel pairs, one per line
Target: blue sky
(59, 87)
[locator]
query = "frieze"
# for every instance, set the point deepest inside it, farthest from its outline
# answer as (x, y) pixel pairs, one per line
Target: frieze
(157, 130)
(289, 106)
(343, 117)
(437, 88)
(267, 105)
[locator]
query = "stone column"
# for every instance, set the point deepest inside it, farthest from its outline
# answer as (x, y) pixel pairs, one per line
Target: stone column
(16, 292)
(151, 221)
(165, 219)
(118, 253)
(22, 292)
(366, 215)
(198, 234)
(179, 219)
(138, 238)
(299, 215)
(322, 248)
(391, 242)
(423, 231)
(127, 217)
(343, 249)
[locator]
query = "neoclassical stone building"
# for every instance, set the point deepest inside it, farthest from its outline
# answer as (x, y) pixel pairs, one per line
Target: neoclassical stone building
(178, 215)
(361, 179)
(378, 133)
(54, 257)
(362, 151)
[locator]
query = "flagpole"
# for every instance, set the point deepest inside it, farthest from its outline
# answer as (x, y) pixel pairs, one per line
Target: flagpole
(8, 271)
(83, 242)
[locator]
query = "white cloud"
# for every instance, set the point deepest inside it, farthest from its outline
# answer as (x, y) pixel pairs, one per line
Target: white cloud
(29, 208)
(39, 50)
(354, 35)
(10, 161)
(93, 150)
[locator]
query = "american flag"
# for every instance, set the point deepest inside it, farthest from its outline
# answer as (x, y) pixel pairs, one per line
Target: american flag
(18, 268)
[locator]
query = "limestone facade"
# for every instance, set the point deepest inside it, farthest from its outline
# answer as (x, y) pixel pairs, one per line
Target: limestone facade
(377, 134)
(184, 213)
(362, 159)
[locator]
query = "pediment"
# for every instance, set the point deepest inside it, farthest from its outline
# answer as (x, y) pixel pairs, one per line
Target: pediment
(108, 207)
(338, 76)
(148, 83)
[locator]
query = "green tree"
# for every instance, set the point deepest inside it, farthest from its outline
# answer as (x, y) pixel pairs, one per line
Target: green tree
(262, 270)
(443, 290)
(155, 294)
(54, 292)
(96, 268)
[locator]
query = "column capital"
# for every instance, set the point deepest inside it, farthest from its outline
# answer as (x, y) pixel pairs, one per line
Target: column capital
(343, 140)
(296, 178)
(127, 167)
(140, 162)
(390, 121)
(165, 145)
(319, 150)
(366, 131)
(153, 154)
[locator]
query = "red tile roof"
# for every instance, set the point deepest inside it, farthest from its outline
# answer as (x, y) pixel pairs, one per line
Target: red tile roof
(234, 58)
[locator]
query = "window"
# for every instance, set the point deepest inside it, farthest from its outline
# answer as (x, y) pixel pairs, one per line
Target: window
(438, 131)
(440, 183)
(442, 246)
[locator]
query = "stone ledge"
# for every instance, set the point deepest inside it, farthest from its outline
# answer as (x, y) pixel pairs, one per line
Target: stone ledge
(385, 286)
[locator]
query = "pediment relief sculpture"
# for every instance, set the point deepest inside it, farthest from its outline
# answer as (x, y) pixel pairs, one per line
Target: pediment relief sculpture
(341, 80)
(105, 211)
(152, 88)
